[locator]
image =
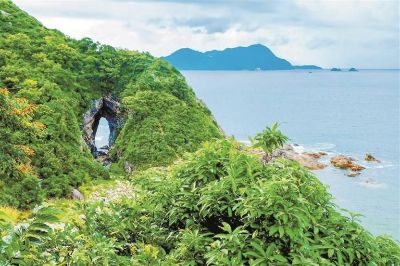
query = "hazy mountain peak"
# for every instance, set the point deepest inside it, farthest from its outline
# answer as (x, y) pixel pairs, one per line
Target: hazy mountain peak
(253, 57)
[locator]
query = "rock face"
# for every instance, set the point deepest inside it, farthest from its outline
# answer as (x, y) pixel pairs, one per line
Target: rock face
(316, 155)
(77, 195)
(307, 160)
(353, 174)
(128, 168)
(106, 107)
(370, 158)
(104, 160)
(345, 163)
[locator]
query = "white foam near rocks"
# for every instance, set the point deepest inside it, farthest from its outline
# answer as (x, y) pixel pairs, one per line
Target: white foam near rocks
(372, 183)
(299, 148)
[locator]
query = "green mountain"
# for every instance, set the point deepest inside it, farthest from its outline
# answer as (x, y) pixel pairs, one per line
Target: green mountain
(65, 86)
(254, 57)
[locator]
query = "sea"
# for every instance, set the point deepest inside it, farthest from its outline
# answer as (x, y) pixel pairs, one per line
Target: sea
(340, 113)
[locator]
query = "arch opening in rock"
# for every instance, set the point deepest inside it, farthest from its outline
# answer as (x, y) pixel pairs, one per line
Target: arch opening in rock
(106, 108)
(102, 135)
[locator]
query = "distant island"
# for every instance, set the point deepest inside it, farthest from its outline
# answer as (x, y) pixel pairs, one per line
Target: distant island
(336, 69)
(307, 67)
(353, 70)
(253, 57)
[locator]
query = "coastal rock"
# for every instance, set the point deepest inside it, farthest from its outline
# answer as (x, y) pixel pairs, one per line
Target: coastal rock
(353, 174)
(370, 158)
(372, 183)
(287, 152)
(344, 162)
(314, 155)
(77, 195)
(307, 160)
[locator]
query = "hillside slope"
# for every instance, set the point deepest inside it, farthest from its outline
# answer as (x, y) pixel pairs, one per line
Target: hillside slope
(64, 79)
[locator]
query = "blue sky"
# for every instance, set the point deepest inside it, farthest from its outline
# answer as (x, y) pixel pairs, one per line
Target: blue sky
(351, 33)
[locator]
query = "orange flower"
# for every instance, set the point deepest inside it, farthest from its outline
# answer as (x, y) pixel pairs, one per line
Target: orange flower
(26, 111)
(22, 99)
(40, 125)
(4, 91)
(24, 168)
(26, 149)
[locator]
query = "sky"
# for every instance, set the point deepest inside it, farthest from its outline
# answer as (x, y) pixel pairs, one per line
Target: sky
(341, 33)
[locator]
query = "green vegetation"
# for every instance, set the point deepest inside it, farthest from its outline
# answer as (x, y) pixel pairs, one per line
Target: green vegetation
(221, 206)
(161, 127)
(60, 76)
(269, 139)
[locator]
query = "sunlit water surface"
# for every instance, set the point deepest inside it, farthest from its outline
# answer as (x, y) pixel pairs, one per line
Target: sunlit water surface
(337, 112)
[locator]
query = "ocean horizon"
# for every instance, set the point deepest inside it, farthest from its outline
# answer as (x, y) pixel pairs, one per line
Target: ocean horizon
(348, 115)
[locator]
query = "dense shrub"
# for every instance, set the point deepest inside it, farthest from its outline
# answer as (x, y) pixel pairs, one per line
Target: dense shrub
(19, 184)
(61, 76)
(220, 206)
(161, 127)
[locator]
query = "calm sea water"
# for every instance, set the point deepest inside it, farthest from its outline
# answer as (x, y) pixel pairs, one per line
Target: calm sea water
(350, 113)
(102, 134)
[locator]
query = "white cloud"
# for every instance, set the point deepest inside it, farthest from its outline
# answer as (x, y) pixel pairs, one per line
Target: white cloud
(357, 33)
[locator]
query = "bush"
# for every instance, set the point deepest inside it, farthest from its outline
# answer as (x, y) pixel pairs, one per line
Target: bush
(159, 128)
(220, 206)
(60, 76)
(270, 139)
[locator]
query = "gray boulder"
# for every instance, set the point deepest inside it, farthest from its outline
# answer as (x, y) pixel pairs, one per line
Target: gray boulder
(77, 195)
(128, 168)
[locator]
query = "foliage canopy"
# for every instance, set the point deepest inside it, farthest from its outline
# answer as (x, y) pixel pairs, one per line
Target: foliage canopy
(220, 206)
(60, 76)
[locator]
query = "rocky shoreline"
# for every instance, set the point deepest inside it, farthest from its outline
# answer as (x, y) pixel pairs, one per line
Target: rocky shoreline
(310, 160)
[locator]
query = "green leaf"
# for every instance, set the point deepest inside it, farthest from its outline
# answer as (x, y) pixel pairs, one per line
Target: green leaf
(280, 258)
(273, 230)
(258, 247)
(330, 252)
(281, 231)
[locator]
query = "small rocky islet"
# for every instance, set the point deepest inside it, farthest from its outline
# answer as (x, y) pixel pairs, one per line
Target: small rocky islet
(310, 160)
